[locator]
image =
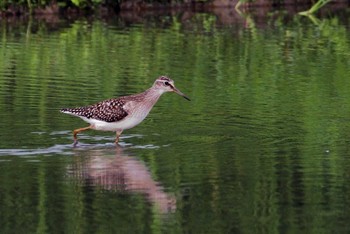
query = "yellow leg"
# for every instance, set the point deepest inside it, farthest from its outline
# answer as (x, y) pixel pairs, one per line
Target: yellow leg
(76, 131)
(118, 135)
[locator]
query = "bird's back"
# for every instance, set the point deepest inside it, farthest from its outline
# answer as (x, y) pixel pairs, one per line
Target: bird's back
(110, 110)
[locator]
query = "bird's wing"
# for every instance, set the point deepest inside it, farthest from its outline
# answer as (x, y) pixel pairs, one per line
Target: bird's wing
(110, 110)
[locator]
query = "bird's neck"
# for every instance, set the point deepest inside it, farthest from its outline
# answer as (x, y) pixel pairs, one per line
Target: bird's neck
(149, 97)
(144, 102)
(152, 95)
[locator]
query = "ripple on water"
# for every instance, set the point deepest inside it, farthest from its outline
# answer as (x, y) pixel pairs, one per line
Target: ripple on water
(66, 149)
(56, 149)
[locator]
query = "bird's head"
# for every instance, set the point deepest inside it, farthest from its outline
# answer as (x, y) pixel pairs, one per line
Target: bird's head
(165, 84)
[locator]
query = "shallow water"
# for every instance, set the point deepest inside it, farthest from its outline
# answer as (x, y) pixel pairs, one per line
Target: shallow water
(263, 147)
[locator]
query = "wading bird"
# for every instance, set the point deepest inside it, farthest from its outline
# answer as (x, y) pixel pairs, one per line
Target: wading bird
(118, 114)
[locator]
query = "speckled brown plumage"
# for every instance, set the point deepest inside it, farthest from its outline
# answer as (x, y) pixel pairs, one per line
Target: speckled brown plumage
(110, 110)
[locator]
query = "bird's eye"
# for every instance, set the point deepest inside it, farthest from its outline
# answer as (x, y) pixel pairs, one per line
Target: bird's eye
(166, 83)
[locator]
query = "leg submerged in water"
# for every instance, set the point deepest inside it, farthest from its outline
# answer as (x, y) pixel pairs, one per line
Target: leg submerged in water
(118, 135)
(76, 131)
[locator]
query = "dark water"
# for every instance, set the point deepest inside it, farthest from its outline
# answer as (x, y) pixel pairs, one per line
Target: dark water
(263, 147)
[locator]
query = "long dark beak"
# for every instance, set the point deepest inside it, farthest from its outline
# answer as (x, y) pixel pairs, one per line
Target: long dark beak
(180, 93)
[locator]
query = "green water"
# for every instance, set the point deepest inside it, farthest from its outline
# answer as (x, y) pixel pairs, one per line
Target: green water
(263, 147)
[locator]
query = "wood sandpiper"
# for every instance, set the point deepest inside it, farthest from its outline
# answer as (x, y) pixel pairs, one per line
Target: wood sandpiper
(118, 114)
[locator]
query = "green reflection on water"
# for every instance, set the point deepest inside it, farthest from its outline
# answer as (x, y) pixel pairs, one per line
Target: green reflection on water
(263, 146)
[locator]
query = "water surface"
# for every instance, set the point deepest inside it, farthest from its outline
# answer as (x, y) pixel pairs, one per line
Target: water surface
(263, 147)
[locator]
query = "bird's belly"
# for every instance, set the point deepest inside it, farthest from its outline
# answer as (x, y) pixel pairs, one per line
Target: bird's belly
(114, 126)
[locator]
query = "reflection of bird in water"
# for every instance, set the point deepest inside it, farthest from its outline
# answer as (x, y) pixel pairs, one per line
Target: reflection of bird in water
(118, 114)
(113, 169)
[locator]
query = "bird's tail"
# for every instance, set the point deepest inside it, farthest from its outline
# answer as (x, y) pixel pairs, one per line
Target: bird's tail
(73, 111)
